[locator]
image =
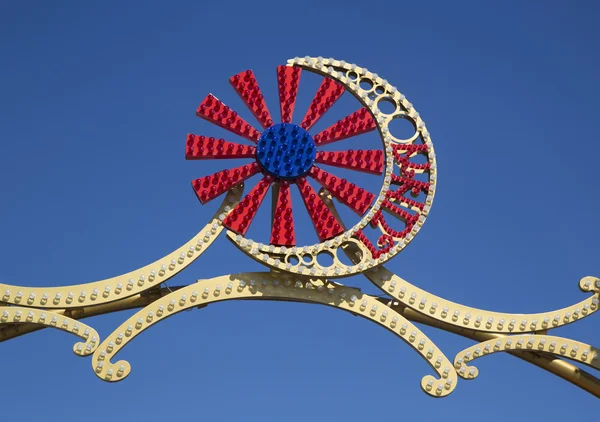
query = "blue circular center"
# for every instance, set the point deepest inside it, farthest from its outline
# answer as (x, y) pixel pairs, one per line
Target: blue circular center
(286, 151)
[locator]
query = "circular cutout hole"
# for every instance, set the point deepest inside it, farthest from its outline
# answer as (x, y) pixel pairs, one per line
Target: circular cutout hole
(293, 259)
(366, 84)
(379, 89)
(352, 76)
(343, 257)
(402, 128)
(386, 105)
(307, 258)
(325, 259)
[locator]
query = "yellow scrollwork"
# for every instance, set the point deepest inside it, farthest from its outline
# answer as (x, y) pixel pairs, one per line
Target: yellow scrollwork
(558, 346)
(270, 286)
(21, 315)
(125, 285)
(482, 320)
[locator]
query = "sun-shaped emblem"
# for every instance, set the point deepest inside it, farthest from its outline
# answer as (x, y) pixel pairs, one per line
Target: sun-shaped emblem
(287, 154)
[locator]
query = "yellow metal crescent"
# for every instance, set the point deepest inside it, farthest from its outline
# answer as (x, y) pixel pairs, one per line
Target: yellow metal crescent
(353, 78)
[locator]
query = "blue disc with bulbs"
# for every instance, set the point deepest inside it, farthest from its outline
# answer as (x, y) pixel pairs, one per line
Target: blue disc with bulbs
(286, 151)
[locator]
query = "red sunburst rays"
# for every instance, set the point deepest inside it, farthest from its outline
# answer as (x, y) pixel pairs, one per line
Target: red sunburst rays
(327, 94)
(326, 223)
(282, 229)
(368, 161)
(241, 216)
(357, 199)
(246, 86)
(356, 123)
(203, 148)
(288, 79)
(215, 111)
(208, 188)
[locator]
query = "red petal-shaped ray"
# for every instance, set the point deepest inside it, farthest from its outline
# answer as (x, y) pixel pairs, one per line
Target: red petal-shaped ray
(282, 230)
(245, 84)
(357, 123)
(202, 147)
(208, 188)
(326, 225)
(215, 111)
(242, 215)
(368, 161)
(288, 79)
(327, 94)
(348, 193)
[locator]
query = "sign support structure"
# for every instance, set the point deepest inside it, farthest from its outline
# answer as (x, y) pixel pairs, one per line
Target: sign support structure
(291, 160)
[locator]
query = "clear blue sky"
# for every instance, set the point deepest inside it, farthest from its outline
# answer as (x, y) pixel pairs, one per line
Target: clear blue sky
(96, 101)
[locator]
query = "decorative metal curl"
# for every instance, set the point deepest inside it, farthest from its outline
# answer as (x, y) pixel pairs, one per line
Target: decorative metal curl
(557, 346)
(271, 286)
(44, 318)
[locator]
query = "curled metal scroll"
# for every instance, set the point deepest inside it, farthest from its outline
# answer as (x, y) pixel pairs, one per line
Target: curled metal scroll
(270, 286)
